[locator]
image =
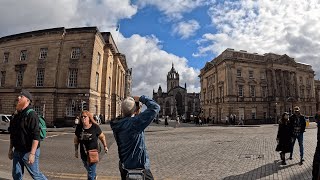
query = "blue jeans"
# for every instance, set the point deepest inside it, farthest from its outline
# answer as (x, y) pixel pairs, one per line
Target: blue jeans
(91, 169)
(20, 160)
(300, 140)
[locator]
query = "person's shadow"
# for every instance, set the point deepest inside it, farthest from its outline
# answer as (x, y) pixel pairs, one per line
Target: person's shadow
(261, 172)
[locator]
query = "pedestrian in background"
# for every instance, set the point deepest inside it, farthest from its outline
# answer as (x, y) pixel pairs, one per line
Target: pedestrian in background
(87, 135)
(166, 121)
(24, 147)
(129, 135)
(76, 121)
(316, 157)
(284, 137)
(298, 124)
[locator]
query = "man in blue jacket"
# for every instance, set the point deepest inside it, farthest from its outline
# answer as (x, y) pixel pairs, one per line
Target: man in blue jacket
(129, 134)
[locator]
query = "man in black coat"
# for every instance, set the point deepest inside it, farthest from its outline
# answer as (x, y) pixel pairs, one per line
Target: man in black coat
(298, 124)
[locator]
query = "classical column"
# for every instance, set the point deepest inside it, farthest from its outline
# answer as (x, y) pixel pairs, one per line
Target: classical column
(283, 87)
(274, 82)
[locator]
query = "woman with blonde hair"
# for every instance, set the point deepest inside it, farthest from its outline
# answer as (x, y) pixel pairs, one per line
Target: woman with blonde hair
(87, 134)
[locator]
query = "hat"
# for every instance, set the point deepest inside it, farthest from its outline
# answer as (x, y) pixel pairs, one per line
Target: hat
(296, 108)
(26, 94)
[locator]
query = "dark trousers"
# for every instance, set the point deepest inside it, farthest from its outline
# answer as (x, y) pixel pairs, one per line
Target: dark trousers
(123, 173)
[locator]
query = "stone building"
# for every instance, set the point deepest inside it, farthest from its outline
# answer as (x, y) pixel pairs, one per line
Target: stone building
(254, 87)
(66, 70)
(176, 102)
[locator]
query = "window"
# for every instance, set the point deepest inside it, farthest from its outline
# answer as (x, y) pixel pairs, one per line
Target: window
(250, 74)
(75, 53)
(19, 78)
(264, 115)
(70, 109)
(264, 91)
(38, 109)
(43, 53)
(98, 59)
(23, 55)
(301, 92)
(263, 75)
(300, 79)
(240, 91)
(5, 57)
(253, 113)
(109, 86)
(252, 91)
(73, 75)
(238, 72)
(40, 77)
(308, 93)
(97, 81)
(3, 78)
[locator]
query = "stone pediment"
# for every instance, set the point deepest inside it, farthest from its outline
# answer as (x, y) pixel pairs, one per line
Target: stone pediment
(285, 59)
(208, 66)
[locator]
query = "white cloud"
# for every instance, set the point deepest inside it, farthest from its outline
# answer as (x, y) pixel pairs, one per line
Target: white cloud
(151, 64)
(21, 16)
(186, 29)
(174, 8)
(283, 27)
(144, 54)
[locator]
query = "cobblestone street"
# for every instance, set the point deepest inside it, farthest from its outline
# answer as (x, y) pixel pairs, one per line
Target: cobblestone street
(188, 152)
(217, 152)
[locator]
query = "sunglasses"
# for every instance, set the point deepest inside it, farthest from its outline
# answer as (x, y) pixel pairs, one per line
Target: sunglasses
(84, 117)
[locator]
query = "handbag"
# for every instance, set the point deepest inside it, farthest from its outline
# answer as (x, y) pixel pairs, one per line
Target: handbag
(93, 156)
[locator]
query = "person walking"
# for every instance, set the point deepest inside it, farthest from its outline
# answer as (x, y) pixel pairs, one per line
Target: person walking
(284, 137)
(166, 121)
(298, 124)
(129, 135)
(24, 148)
(177, 122)
(87, 134)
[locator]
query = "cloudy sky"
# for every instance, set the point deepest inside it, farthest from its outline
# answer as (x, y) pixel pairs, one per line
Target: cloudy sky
(188, 33)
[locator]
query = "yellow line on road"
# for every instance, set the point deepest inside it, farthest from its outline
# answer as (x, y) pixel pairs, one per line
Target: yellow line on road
(78, 176)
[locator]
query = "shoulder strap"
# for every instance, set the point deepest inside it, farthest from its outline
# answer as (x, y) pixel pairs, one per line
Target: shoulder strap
(28, 111)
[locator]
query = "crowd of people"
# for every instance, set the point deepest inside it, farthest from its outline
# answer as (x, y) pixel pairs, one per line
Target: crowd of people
(128, 130)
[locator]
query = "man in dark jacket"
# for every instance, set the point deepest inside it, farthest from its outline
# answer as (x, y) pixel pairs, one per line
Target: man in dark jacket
(316, 157)
(24, 147)
(129, 134)
(298, 124)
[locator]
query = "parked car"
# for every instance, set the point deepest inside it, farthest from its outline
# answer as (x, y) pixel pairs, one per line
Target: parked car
(5, 122)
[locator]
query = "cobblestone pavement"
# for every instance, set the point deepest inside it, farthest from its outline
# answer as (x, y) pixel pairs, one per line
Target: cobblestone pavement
(211, 152)
(215, 152)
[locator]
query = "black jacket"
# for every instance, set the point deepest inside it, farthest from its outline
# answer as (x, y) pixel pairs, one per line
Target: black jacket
(24, 129)
(284, 136)
(298, 124)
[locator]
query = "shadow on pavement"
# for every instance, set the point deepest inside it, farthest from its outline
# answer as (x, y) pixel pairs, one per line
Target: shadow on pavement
(261, 172)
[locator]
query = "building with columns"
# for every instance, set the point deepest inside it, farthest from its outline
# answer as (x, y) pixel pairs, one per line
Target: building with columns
(66, 70)
(255, 87)
(177, 101)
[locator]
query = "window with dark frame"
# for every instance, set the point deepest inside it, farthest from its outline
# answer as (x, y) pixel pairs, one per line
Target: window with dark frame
(250, 74)
(72, 79)
(252, 91)
(6, 57)
(98, 59)
(239, 73)
(23, 55)
(3, 78)
(97, 81)
(43, 53)
(40, 77)
(240, 91)
(19, 78)
(75, 53)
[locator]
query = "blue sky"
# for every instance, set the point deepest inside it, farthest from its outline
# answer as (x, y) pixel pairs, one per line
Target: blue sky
(156, 33)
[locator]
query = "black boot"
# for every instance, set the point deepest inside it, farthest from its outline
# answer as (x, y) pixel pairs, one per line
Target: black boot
(283, 158)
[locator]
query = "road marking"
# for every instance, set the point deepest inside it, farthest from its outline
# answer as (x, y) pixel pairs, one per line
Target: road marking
(78, 176)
